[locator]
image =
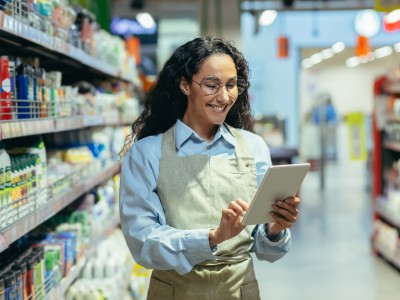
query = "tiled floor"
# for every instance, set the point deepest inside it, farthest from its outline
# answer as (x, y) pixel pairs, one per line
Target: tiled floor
(331, 256)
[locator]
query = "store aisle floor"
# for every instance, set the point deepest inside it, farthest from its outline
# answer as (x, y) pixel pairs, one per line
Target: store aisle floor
(331, 255)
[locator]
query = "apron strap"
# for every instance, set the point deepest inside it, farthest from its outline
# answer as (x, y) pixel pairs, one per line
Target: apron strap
(168, 143)
(241, 149)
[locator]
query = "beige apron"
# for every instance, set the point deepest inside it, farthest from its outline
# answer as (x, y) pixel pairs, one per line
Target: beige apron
(193, 191)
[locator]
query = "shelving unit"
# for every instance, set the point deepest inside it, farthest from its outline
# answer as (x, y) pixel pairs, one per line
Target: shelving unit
(26, 224)
(60, 290)
(21, 40)
(389, 218)
(386, 178)
(392, 145)
(14, 129)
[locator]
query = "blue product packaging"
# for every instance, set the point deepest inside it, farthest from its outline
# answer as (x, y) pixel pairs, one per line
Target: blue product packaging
(10, 286)
(22, 80)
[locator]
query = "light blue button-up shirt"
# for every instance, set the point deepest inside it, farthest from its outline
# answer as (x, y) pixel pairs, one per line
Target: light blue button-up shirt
(153, 243)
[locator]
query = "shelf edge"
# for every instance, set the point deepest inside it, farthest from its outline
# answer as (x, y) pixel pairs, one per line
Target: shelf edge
(28, 223)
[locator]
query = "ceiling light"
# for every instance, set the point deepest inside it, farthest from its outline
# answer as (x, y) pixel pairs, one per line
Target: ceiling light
(267, 17)
(384, 51)
(352, 62)
(397, 47)
(316, 58)
(371, 56)
(363, 59)
(338, 47)
(393, 16)
(367, 23)
(146, 20)
(306, 63)
(327, 53)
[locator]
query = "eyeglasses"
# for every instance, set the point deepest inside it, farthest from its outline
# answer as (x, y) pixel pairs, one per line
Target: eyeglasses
(210, 85)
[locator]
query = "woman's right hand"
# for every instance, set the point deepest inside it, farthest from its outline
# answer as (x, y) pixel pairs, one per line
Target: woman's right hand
(230, 224)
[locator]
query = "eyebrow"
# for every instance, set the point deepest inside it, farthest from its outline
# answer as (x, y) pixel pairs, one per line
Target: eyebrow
(233, 77)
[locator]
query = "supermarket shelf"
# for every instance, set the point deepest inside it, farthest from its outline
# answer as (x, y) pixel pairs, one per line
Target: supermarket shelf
(395, 260)
(76, 270)
(391, 145)
(388, 218)
(29, 39)
(26, 224)
(14, 129)
(393, 118)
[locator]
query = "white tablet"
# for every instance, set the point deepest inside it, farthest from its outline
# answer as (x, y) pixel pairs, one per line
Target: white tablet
(280, 182)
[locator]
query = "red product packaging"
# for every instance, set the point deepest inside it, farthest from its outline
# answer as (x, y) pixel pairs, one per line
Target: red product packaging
(5, 89)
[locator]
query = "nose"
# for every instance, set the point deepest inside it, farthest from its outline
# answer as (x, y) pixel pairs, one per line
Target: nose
(223, 93)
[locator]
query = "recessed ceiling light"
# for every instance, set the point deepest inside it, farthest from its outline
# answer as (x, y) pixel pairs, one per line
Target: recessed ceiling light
(338, 47)
(267, 17)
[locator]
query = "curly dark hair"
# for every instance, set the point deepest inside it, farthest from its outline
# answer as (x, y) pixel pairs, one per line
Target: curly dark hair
(165, 102)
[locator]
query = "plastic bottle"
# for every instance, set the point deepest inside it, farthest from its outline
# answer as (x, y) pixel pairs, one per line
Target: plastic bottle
(88, 270)
(22, 80)
(37, 147)
(39, 271)
(5, 90)
(23, 185)
(45, 94)
(35, 89)
(29, 179)
(19, 182)
(7, 200)
(98, 268)
(10, 286)
(12, 71)
(2, 180)
(21, 265)
(18, 284)
(31, 277)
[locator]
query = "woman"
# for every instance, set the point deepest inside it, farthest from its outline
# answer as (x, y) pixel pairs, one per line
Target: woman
(186, 180)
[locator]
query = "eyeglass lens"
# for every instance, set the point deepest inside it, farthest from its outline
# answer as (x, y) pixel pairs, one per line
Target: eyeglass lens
(211, 84)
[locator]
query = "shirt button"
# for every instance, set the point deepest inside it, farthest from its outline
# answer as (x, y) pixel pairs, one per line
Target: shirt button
(247, 165)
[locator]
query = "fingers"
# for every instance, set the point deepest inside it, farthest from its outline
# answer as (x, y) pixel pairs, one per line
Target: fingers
(239, 206)
(229, 213)
(243, 204)
(284, 212)
(294, 201)
(283, 222)
(231, 219)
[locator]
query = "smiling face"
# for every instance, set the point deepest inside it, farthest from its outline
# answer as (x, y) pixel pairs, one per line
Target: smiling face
(205, 112)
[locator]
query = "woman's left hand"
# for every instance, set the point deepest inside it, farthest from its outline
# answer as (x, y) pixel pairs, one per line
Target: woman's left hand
(285, 214)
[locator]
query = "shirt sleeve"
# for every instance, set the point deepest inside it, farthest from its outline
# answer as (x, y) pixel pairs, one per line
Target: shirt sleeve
(153, 243)
(264, 248)
(268, 250)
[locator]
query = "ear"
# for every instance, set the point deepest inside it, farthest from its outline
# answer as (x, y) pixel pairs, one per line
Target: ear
(184, 86)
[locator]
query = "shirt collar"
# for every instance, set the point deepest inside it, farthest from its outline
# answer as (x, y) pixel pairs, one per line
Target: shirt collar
(184, 132)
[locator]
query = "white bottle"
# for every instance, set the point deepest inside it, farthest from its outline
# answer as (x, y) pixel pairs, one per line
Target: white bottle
(6, 206)
(2, 178)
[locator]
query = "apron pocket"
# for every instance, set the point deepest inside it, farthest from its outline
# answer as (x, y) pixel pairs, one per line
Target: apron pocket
(160, 290)
(250, 291)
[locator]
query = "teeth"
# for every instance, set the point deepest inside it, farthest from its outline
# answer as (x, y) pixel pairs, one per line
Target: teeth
(219, 108)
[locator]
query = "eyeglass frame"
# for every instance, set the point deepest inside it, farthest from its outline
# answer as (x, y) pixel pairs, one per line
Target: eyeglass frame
(220, 85)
